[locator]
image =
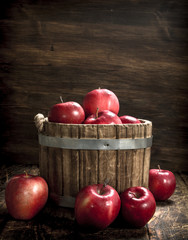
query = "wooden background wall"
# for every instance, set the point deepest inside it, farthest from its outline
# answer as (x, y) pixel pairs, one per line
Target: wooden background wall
(138, 49)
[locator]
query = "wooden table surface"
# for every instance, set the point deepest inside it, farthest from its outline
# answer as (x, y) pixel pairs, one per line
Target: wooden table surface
(170, 220)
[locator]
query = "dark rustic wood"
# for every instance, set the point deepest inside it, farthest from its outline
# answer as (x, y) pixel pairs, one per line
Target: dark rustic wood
(138, 49)
(169, 221)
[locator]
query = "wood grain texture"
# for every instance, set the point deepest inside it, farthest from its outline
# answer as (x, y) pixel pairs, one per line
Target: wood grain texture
(67, 170)
(138, 49)
(147, 155)
(169, 221)
(107, 159)
(89, 159)
(75, 163)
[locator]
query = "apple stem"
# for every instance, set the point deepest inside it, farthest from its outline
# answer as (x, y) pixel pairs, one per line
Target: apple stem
(101, 191)
(26, 174)
(97, 113)
(106, 181)
(61, 99)
(159, 168)
(135, 195)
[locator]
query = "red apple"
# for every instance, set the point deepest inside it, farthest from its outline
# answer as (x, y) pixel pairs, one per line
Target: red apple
(162, 183)
(67, 112)
(129, 119)
(103, 117)
(137, 206)
(103, 99)
(25, 196)
(97, 206)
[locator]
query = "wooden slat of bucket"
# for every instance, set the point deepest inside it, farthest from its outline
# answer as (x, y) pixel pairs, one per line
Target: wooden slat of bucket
(137, 158)
(107, 158)
(131, 160)
(122, 173)
(88, 158)
(43, 157)
(141, 155)
(66, 131)
(55, 161)
(130, 170)
(75, 164)
(147, 155)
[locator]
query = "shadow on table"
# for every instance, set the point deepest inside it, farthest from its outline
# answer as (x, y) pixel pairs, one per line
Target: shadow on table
(168, 202)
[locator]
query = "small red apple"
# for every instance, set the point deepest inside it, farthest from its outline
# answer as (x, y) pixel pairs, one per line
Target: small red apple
(67, 112)
(162, 183)
(137, 206)
(103, 99)
(129, 119)
(97, 206)
(103, 117)
(25, 196)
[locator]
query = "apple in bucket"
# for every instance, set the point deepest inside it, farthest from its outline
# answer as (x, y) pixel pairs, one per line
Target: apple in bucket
(66, 112)
(103, 99)
(129, 119)
(103, 117)
(25, 196)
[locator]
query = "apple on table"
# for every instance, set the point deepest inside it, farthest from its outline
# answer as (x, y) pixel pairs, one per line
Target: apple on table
(162, 183)
(97, 206)
(137, 206)
(25, 196)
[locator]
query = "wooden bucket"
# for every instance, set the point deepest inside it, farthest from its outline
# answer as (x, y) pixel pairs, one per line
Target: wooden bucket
(75, 155)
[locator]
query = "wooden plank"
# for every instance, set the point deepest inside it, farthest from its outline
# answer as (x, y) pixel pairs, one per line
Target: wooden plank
(88, 158)
(55, 161)
(75, 163)
(43, 157)
(130, 170)
(147, 156)
(51, 159)
(144, 183)
(122, 173)
(141, 157)
(107, 158)
(66, 131)
(137, 160)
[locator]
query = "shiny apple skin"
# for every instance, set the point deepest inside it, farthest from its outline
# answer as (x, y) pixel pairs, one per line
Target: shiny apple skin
(25, 196)
(96, 207)
(103, 99)
(104, 117)
(129, 119)
(137, 211)
(67, 112)
(162, 183)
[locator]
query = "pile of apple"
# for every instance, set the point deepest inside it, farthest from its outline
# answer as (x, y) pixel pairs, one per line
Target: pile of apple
(100, 106)
(96, 205)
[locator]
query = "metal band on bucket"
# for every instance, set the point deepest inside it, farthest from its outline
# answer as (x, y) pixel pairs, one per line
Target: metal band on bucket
(95, 144)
